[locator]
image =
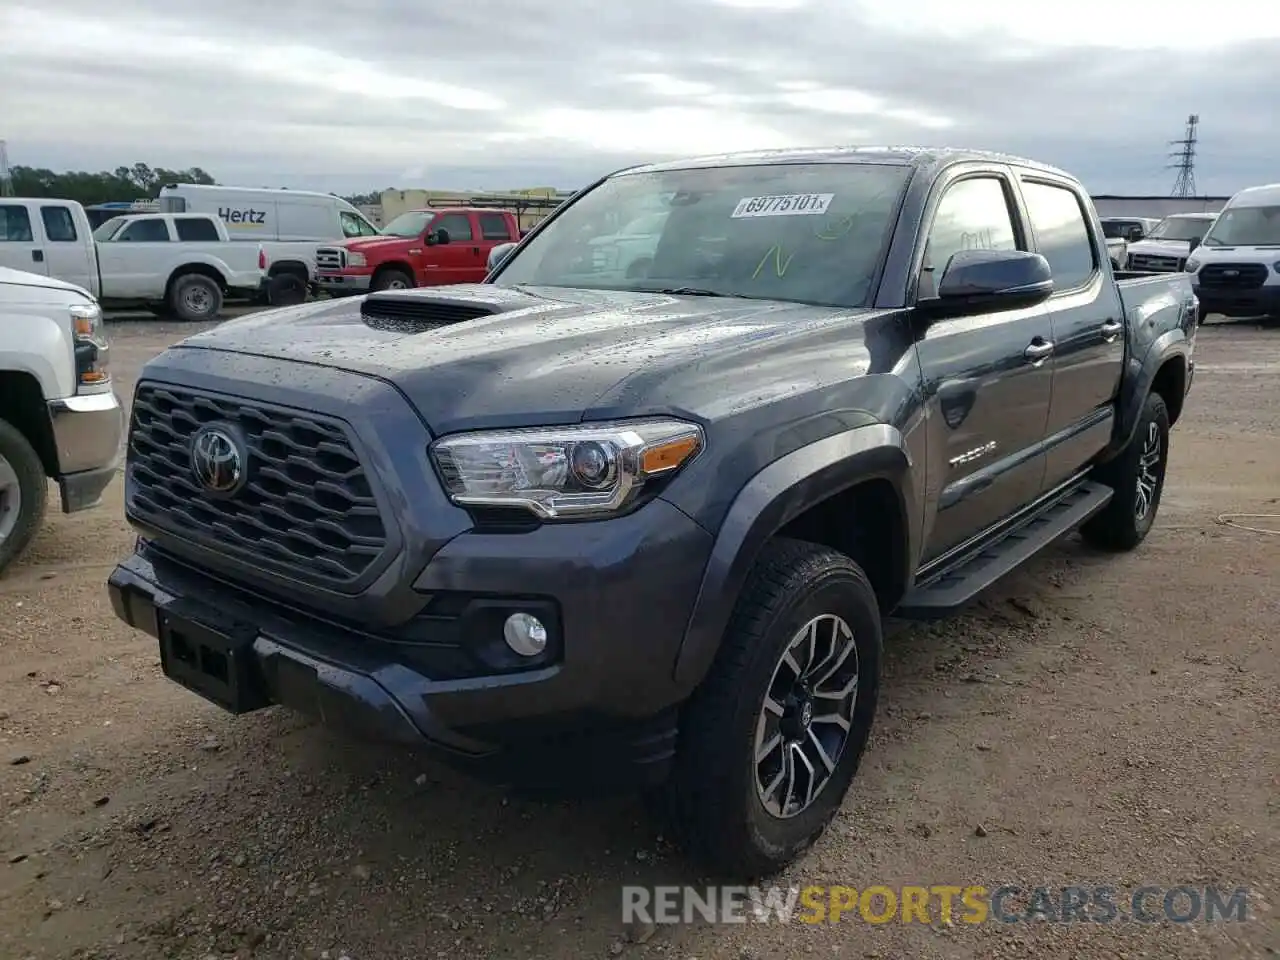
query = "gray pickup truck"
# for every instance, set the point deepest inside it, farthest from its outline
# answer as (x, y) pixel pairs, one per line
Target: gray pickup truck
(572, 525)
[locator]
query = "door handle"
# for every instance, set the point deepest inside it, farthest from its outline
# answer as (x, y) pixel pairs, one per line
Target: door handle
(476, 251)
(37, 256)
(1111, 329)
(1038, 351)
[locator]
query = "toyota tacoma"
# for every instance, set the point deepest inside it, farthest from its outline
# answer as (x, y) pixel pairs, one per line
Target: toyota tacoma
(569, 523)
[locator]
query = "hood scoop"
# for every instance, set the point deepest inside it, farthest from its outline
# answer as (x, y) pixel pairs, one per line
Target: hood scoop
(415, 311)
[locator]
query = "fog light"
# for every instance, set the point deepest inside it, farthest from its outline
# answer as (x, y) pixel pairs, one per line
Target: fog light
(525, 634)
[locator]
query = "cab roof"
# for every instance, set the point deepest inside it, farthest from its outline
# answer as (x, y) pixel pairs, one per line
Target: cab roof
(920, 158)
(1262, 196)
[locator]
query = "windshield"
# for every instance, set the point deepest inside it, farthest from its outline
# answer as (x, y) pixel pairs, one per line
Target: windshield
(1118, 229)
(806, 233)
(108, 229)
(1180, 228)
(409, 224)
(1245, 227)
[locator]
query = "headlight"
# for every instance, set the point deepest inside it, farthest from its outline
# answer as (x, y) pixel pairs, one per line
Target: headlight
(1192, 265)
(90, 344)
(583, 470)
(356, 259)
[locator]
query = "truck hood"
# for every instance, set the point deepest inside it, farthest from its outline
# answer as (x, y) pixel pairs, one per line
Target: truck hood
(24, 279)
(371, 243)
(1159, 248)
(557, 355)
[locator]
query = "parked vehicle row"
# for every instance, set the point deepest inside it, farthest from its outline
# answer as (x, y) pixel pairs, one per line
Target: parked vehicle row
(641, 526)
(1236, 266)
(182, 265)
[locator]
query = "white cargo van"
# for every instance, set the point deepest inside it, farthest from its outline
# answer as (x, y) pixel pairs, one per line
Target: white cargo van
(290, 224)
(1235, 269)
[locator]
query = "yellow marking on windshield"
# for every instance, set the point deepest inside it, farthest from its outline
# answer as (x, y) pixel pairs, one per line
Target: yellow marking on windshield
(779, 265)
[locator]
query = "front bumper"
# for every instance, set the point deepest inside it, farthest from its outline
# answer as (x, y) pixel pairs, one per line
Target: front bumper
(602, 706)
(343, 283)
(1257, 302)
(88, 434)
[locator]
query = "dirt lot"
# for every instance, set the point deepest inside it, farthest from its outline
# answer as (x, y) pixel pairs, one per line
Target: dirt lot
(1095, 720)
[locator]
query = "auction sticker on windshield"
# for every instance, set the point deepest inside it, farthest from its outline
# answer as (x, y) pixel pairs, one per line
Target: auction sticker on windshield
(789, 205)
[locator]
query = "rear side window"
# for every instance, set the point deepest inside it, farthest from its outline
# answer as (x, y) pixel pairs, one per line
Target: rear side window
(15, 224)
(196, 229)
(1062, 235)
(493, 226)
(458, 225)
(144, 231)
(59, 226)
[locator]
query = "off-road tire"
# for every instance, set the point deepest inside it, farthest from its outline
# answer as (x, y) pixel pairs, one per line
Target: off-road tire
(387, 280)
(1118, 526)
(192, 288)
(711, 804)
(33, 492)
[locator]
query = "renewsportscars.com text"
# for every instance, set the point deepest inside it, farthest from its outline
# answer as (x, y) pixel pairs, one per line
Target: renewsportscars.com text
(939, 903)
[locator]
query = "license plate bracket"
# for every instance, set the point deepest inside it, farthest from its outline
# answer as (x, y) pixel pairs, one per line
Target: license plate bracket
(217, 665)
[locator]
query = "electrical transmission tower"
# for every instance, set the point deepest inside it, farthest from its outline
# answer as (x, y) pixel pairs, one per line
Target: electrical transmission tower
(6, 183)
(1184, 157)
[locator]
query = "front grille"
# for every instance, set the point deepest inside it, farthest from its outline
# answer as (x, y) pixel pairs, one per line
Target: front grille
(413, 311)
(1151, 263)
(330, 258)
(306, 510)
(1233, 276)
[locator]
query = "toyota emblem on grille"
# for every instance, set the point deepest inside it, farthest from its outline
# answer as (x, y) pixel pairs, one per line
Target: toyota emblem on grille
(217, 460)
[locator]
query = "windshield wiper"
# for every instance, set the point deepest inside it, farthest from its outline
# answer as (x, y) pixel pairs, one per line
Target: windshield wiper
(689, 292)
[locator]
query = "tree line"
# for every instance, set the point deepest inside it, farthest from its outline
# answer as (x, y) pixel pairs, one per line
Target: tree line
(124, 184)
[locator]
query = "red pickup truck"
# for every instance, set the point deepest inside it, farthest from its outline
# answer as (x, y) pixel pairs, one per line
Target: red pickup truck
(419, 248)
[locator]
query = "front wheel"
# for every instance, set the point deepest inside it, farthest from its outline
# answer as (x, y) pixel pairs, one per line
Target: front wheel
(771, 741)
(1137, 477)
(23, 493)
(392, 280)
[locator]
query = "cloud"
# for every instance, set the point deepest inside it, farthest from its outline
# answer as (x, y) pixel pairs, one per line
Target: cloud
(361, 94)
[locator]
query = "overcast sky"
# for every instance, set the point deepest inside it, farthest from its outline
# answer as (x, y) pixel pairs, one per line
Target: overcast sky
(355, 95)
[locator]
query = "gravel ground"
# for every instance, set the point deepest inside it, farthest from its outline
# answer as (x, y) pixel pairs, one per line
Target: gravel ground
(1094, 720)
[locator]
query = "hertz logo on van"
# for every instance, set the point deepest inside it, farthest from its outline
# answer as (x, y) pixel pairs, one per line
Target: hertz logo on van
(242, 216)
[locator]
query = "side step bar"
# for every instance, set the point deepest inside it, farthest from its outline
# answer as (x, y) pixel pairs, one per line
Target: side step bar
(948, 591)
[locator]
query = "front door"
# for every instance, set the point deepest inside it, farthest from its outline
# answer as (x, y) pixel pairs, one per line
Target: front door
(130, 260)
(21, 248)
(68, 254)
(458, 261)
(1088, 327)
(987, 377)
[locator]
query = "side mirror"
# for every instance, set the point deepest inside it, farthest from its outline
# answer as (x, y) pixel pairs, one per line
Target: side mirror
(983, 281)
(1192, 244)
(498, 254)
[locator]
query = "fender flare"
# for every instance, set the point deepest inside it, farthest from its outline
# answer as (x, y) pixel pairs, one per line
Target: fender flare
(1138, 381)
(774, 496)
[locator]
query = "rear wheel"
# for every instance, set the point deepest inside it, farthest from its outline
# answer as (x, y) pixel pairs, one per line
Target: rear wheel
(1137, 477)
(23, 493)
(392, 280)
(772, 739)
(195, 297)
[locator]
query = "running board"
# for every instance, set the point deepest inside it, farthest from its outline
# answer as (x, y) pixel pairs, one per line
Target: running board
(950, 590)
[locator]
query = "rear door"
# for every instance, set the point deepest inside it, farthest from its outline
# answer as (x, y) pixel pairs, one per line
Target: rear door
(68, 253)
(459, 260)
(495, 228)
(1088, 325)
(21, 243)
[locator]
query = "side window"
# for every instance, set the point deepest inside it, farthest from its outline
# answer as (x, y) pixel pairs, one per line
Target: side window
(59, 226)
(972, 215)
(353, 226)
(458, 225)
(145, 231)
(493, 226)
(196, 229)
(1062, 236)
(15, 224)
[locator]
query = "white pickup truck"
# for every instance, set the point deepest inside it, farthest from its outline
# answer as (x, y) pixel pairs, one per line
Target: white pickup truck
(183, 264)
(59, 416)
